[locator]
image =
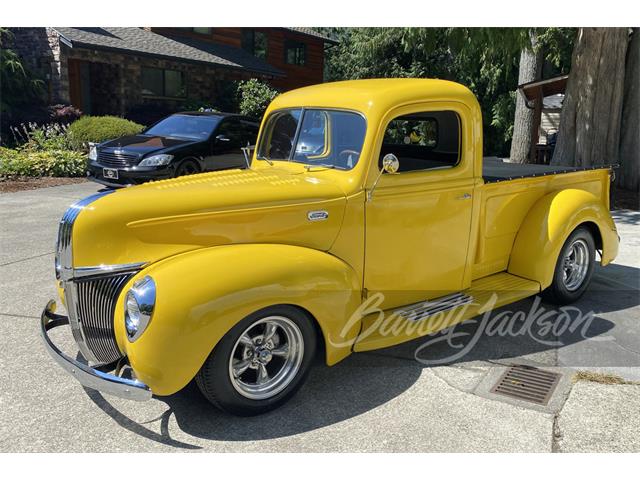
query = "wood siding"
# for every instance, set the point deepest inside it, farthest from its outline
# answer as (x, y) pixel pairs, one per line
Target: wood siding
(295, 76)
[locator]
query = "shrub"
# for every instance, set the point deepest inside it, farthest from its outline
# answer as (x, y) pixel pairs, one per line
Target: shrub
(34, 163)
(31, 136)
(255, 97)
(98, 129)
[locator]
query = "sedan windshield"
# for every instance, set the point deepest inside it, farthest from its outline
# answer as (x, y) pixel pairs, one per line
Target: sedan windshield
(195, 127)
(326, 138)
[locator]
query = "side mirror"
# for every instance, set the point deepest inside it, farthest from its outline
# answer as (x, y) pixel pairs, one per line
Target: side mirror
(222, 138)
(390, 164)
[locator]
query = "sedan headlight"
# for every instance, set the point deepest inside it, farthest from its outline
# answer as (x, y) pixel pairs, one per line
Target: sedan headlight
(156, 160)
(138, 307)
(93, 152)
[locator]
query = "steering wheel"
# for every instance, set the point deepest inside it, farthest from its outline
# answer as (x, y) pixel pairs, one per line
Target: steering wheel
(343, 156)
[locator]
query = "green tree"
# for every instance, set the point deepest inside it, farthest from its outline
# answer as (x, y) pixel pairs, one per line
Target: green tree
(18, 85)
(484, 59)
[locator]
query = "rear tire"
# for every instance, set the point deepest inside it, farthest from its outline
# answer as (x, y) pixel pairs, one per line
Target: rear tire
(261, 362)
(574, 268)
(188, 167)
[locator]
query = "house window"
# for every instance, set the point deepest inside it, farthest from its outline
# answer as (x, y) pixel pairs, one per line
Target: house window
(255, 43)
(157, 82)
(295, 53)
(202, 30)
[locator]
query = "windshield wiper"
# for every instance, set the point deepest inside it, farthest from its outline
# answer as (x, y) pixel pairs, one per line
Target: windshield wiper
(320, 165)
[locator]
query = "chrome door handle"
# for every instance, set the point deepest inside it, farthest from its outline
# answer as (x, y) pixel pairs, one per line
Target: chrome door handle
(466, 196)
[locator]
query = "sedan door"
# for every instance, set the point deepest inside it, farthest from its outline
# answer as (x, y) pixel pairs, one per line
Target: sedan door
(226, 146)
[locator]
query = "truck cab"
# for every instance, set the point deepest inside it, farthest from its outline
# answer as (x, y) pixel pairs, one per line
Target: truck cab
(368, 218)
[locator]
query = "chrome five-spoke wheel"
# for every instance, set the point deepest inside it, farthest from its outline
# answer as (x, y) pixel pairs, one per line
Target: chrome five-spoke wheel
(266, 357)
(575, 265)
(574, 268)
(261, 362)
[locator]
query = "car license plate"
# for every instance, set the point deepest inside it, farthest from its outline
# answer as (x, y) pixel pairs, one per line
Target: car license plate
(110, 173)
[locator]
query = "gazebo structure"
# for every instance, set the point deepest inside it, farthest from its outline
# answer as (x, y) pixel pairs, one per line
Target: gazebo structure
(535, 94)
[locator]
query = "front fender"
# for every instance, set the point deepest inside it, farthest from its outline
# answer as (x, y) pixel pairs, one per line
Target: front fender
(202, 294)
(547, 226)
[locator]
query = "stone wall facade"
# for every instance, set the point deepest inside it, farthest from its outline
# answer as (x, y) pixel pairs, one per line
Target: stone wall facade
(41, 53)
(116, 78)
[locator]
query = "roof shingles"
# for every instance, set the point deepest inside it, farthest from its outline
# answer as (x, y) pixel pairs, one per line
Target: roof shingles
(139, 41)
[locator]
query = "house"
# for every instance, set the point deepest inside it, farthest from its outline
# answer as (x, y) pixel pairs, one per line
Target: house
(118, 70)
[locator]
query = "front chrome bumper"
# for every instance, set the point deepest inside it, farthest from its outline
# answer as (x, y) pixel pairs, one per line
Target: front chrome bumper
(89, 377)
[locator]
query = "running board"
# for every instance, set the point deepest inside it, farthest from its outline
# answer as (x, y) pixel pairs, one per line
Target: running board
(420, 310)
(425, 318)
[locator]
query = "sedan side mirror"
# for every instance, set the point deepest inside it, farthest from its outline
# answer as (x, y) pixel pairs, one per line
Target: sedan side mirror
(390, 164)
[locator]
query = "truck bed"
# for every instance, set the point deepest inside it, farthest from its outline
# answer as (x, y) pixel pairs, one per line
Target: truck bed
(495, 170)
(509, 192)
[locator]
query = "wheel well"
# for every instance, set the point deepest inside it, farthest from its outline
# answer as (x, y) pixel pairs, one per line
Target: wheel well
(193, 159)
(322, 348)
(595, 232)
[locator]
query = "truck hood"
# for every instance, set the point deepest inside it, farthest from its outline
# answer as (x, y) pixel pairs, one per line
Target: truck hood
(160, 219)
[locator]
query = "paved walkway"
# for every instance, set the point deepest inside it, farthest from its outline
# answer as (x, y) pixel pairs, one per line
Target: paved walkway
(378, 401)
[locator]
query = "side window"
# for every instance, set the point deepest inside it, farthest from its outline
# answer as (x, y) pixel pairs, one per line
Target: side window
(230, 128)
(423, 141)
(249, 132)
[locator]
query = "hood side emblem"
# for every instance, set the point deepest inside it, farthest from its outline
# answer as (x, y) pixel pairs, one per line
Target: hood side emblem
(317, 215)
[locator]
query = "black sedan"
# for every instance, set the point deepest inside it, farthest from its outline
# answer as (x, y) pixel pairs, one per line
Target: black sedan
(181, 144)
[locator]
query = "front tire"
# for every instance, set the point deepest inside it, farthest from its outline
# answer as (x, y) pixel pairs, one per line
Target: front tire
(187, 167)
(574, 268)
(261, 362)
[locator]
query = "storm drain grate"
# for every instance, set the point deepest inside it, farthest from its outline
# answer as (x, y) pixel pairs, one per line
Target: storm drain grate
(527, 383)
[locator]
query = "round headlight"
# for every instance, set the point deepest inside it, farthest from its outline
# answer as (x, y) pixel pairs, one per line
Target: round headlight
(138, 308)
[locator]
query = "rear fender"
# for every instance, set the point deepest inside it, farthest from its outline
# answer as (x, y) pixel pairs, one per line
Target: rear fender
(547, 226)
(202, 294)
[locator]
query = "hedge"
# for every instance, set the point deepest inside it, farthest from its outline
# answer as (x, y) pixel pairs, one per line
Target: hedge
(50, 163)
(98, 129)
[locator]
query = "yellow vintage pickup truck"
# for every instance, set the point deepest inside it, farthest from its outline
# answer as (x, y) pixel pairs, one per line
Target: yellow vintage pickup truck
(365, 205)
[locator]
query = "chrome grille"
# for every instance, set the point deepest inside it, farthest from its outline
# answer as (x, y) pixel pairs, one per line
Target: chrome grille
(96, 303)
(113, 159)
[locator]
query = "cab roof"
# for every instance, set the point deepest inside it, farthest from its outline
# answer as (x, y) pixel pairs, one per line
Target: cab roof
(380, 94)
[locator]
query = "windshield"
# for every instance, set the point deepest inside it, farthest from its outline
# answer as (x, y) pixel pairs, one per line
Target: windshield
(196, 127)
(327, 138)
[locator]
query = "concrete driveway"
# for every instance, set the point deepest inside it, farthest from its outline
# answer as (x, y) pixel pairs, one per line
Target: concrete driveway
(393, 400)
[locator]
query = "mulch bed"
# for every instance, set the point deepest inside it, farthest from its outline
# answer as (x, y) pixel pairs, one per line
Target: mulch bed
(17, 184)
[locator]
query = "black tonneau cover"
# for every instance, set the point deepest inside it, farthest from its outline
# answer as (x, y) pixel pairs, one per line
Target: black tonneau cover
(496, 170)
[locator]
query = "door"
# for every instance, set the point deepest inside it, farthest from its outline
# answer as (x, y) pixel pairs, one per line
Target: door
(226, 145)
(80, 85)
(418, 220)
